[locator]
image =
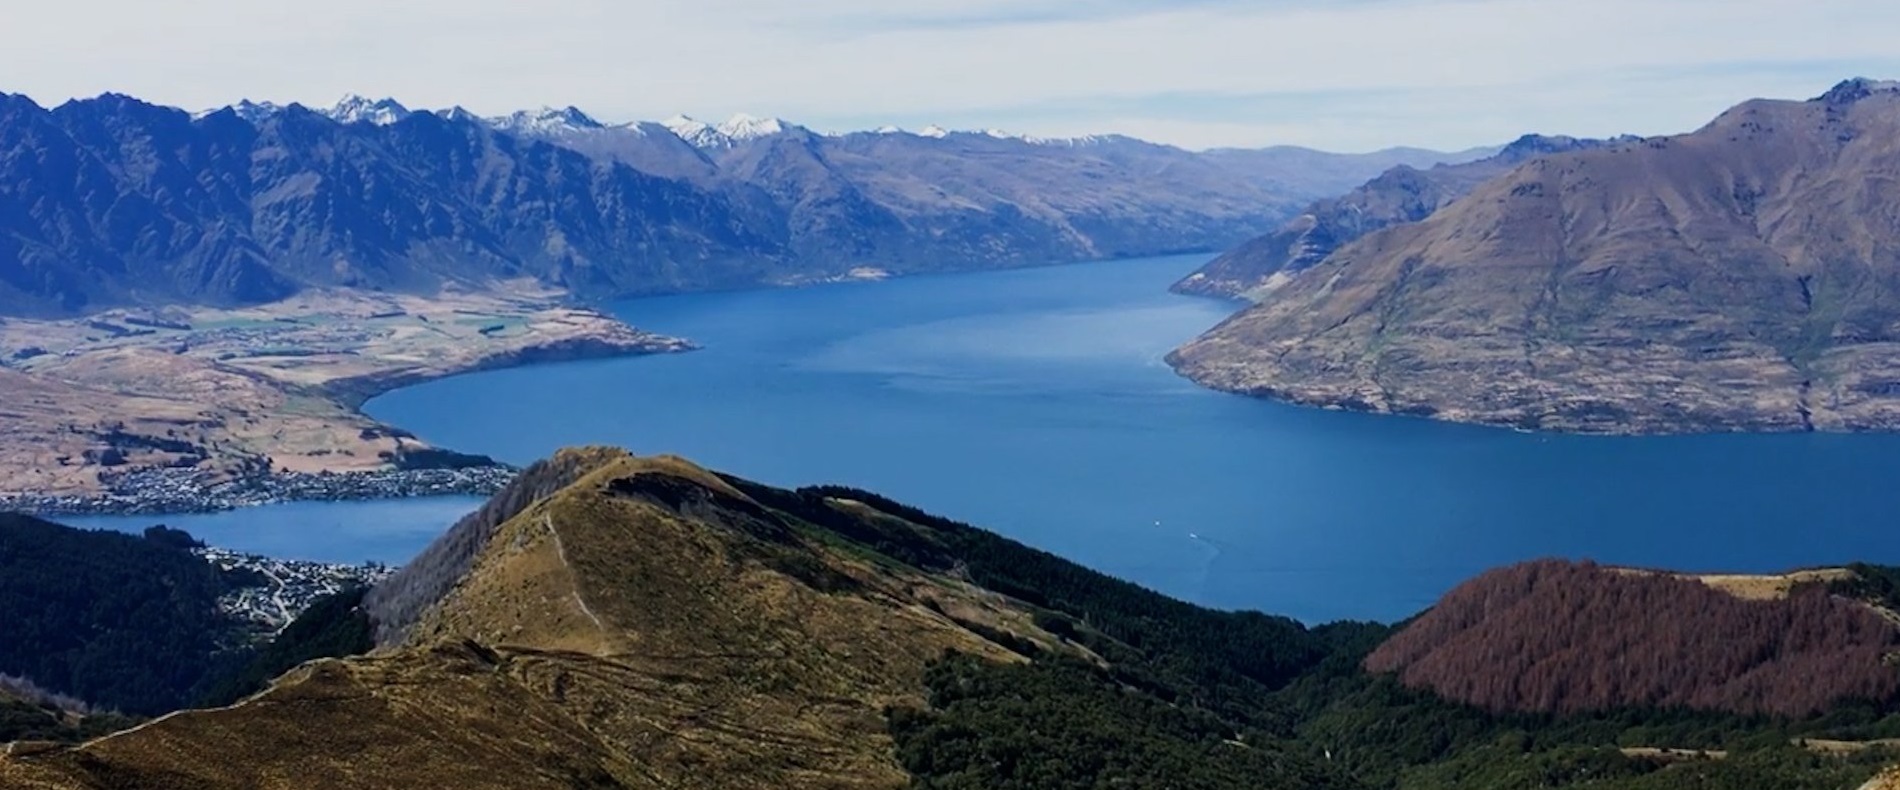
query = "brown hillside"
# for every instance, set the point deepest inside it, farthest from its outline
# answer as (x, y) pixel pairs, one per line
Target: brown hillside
(645, 626)
(1743, 276)
(1398, 196)
(1559, 637)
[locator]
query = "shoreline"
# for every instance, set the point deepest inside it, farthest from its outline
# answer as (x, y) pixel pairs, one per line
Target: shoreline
(167, 492)
(187, 491)
(1578, 422)
(221, 409)
(356, 391)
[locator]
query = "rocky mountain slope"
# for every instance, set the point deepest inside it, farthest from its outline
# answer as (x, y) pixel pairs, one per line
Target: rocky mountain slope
(1398, 196)
(620, 622)
(1740, 277)
(118, 202)
(121, 202)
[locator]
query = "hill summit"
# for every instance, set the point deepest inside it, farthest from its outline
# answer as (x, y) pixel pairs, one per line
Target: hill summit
(646, 625)
(613, 621)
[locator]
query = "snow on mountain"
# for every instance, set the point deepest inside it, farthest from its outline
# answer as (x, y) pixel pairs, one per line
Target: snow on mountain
(457, 113)
(742, 127)
(699, 133)
(641, 128)
(554, 122)
(256, 111)
(1072, 142)
(547, 120)
(353, 108)
(253, 112)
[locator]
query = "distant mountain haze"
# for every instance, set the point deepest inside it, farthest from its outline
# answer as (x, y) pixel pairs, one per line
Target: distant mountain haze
(1739, 277)
(112, 202)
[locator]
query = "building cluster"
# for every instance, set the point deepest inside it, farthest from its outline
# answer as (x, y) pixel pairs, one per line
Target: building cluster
(271, 592)
(162, 491)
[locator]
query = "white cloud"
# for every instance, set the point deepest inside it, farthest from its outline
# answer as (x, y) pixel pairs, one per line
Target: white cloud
(1347, 75)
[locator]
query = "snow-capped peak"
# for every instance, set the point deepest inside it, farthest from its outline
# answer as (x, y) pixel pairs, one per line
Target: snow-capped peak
(742, 127)
(737, 129)
(699, 133)
(547, 120)
(934, 130)
(1072, 142)
(887, 130)
(250, 111)
(353, 108)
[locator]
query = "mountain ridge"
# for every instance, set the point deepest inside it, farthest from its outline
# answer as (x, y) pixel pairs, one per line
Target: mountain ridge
(385, 110)
(792, 693)
(1401, 195)
(125, 203)
(1738, 277)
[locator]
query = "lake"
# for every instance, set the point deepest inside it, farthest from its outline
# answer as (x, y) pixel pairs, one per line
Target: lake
(1035, 403)
(387, 530)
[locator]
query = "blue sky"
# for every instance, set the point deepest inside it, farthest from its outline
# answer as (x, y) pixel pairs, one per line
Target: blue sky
(1335, 74)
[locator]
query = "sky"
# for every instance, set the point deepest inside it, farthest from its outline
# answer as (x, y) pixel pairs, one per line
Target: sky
(1343, 75)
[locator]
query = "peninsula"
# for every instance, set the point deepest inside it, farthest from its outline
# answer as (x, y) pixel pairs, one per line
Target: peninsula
(182, 409)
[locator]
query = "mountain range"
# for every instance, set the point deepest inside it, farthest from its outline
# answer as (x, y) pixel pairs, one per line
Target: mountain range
(111, 201)
(611, 621)
(1739, 277)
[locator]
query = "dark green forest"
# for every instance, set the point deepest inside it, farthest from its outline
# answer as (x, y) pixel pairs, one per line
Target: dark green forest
(130, 623)
(122, 622)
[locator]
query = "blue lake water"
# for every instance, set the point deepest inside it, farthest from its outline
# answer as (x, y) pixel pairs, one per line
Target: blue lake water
(388, 531)
(1035, 403)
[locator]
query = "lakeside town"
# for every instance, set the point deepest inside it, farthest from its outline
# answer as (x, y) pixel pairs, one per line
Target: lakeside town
(170, 491)
(103, 410)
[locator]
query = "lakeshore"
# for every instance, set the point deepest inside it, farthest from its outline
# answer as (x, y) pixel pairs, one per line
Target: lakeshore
(154, 492)
(173, 410)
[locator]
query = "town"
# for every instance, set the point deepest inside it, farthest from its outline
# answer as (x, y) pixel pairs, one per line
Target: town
(280, 590)
(184, 490)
